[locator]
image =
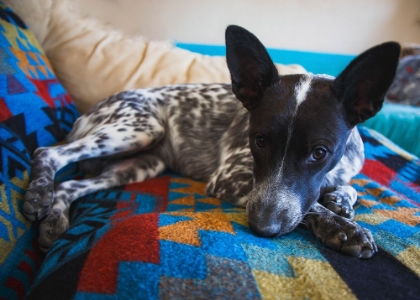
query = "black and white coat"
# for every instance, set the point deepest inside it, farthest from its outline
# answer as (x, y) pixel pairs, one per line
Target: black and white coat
(285, 151)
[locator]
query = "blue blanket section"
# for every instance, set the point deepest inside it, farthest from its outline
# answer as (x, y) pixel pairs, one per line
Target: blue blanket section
(400, 123)
(317, 63)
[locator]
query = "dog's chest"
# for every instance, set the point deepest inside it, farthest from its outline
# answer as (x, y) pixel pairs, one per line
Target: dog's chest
(202, 123)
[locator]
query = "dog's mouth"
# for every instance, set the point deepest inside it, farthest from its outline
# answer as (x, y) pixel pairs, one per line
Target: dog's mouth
(272, 217)
(272, 222)
(271, 230)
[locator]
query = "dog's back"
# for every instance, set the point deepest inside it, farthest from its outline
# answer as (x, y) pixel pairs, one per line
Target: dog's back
(201, 123)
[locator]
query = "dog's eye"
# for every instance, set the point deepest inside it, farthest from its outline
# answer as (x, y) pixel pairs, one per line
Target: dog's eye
(319, 153)
(260, 142)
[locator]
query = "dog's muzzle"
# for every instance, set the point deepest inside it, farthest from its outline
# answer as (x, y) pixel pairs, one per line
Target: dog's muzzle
(270, 231)
(273, 216)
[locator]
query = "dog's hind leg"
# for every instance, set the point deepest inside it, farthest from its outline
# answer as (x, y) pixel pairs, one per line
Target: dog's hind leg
(340, 200)
(107, 140)
(116, 173)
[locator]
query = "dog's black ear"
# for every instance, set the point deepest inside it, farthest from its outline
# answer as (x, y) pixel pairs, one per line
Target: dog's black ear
(250, 65)
(363, 84)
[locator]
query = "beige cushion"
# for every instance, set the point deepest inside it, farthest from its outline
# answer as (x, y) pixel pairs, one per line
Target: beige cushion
(93, 61)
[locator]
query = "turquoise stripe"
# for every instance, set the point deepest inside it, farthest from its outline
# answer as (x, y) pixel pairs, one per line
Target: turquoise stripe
(317, 63)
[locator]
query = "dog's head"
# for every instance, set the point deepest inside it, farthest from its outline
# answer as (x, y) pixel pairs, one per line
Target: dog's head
(299, 124)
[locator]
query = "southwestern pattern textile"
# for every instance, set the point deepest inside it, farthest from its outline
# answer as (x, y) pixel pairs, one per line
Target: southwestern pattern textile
(35, 111)
(164, 239)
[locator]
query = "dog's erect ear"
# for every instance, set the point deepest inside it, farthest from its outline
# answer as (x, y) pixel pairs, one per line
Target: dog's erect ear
(363, 84)
(250, 65)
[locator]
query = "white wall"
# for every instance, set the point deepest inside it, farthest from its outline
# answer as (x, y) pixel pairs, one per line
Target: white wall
(337, 26)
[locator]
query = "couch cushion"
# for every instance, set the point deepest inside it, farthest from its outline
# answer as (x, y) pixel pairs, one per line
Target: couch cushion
(35, 110)
(164, 238)
(400, 123)
(406, 86)
(94, 61)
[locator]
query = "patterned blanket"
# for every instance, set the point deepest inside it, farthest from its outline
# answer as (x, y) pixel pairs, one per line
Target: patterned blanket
(35, 111)
(164, 238)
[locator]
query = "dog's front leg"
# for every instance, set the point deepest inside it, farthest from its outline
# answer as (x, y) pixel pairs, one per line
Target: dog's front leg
(340, 200)
(233, 180)
(339, 233)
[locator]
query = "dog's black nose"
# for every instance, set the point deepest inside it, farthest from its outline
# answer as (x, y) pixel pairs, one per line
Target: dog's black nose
(270, 231)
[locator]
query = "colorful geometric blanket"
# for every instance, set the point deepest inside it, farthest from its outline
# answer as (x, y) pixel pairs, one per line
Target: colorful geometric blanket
(165, 239)
(35, 111)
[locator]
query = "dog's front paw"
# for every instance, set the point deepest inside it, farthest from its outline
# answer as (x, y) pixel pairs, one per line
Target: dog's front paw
(339, 204)
(38, 200)
(51, 228)
(343, 235)
(341, 201)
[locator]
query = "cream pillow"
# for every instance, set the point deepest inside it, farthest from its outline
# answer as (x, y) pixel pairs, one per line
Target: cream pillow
(93, 61)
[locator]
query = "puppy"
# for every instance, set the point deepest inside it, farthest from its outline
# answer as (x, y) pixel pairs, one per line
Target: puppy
(284, 147)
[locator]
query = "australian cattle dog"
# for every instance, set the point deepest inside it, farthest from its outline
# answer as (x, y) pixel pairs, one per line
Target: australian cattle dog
(283, 147)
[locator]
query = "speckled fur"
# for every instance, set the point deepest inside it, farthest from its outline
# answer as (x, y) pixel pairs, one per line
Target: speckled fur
(197, 130)
(204, 132)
